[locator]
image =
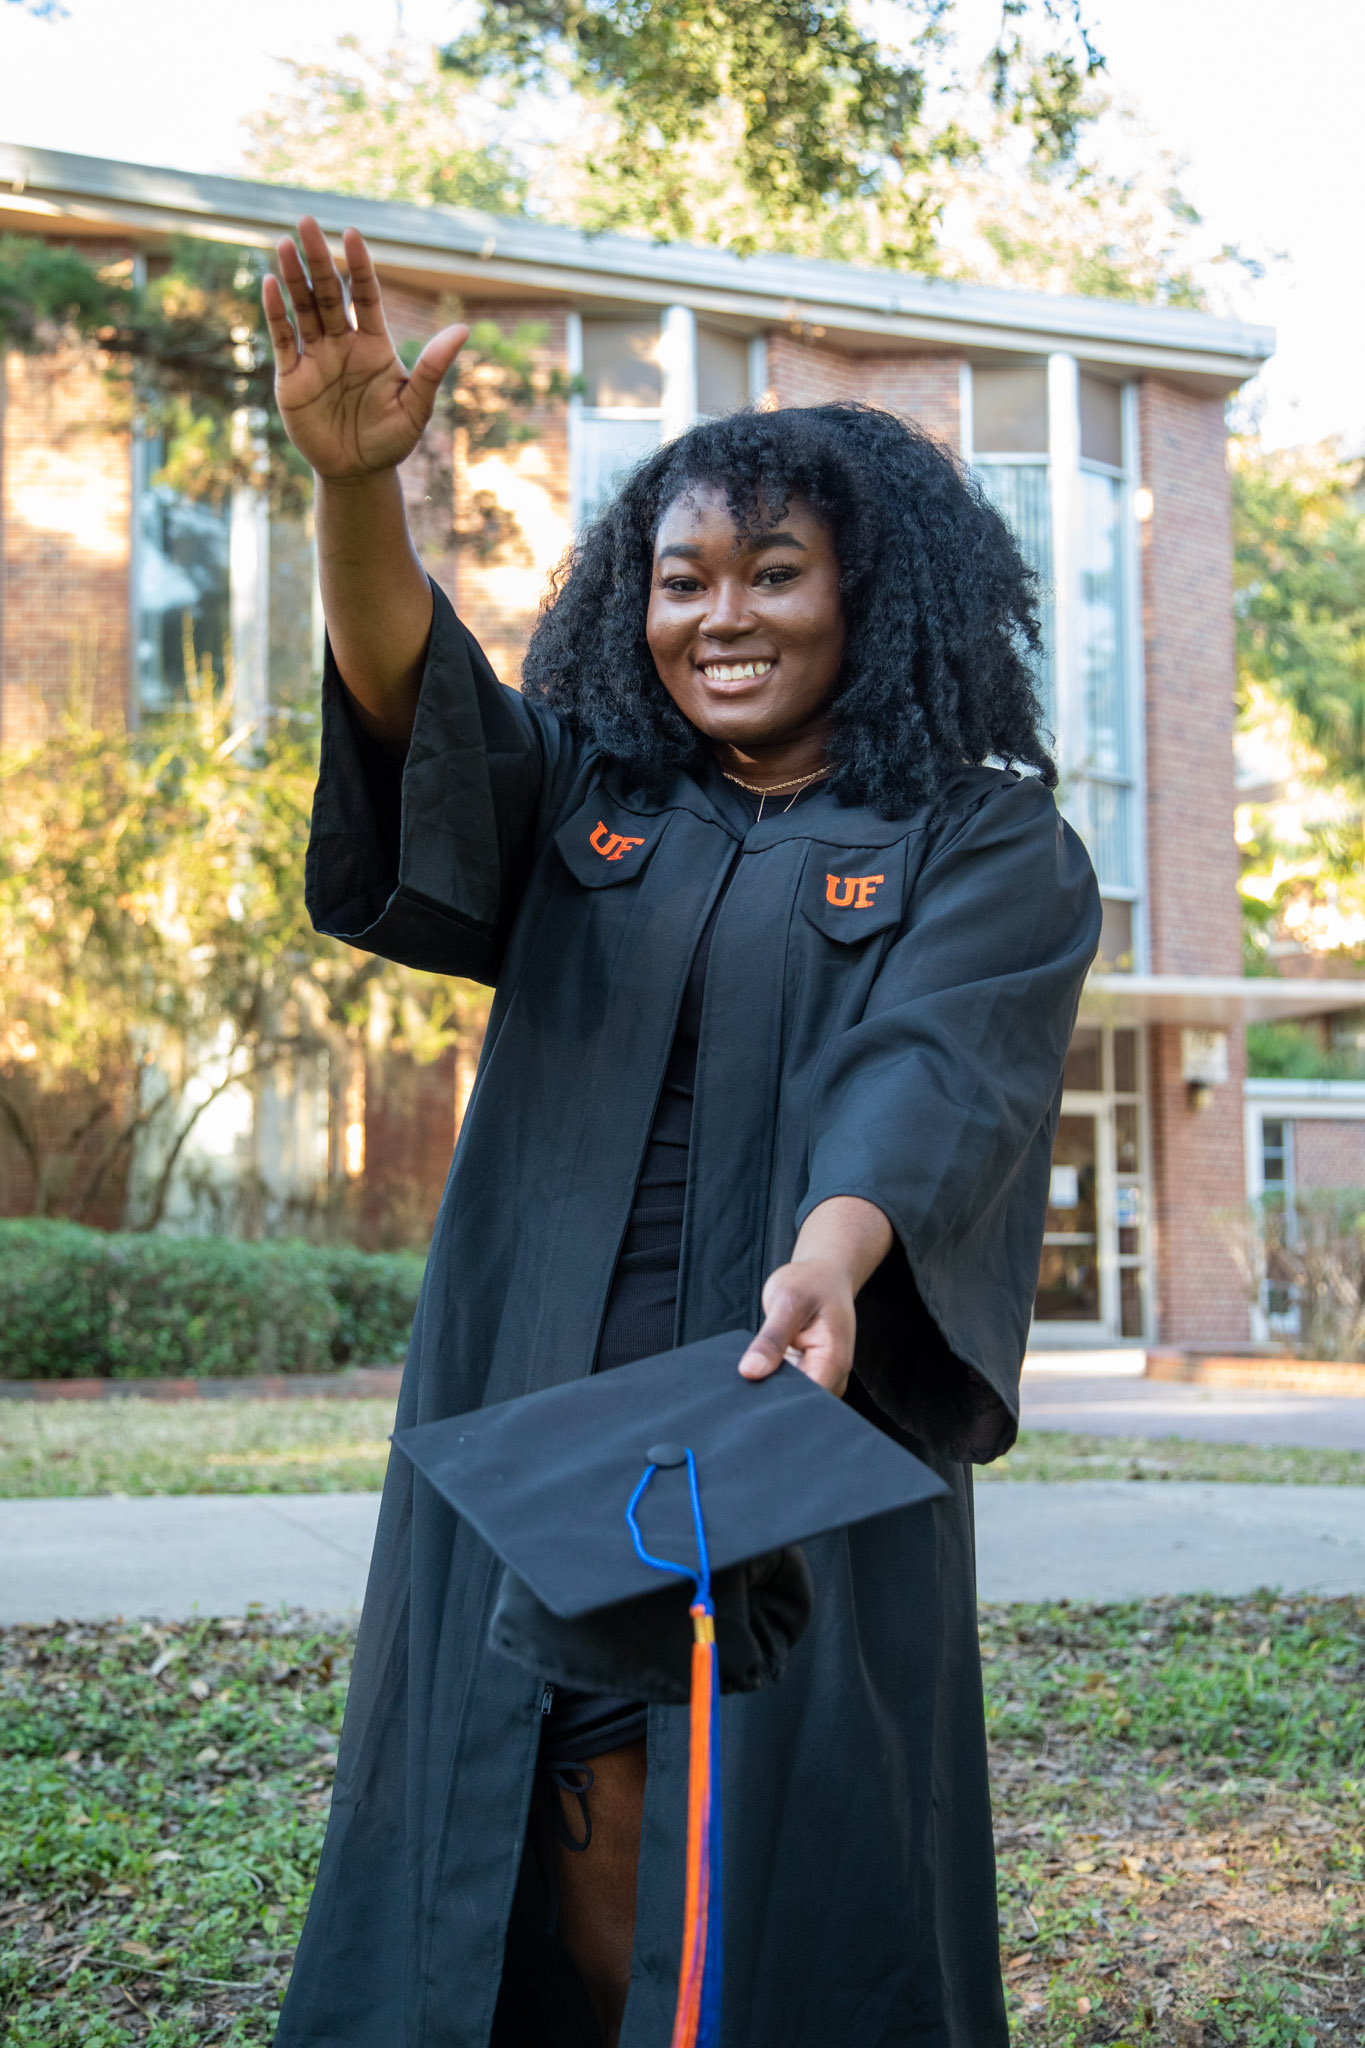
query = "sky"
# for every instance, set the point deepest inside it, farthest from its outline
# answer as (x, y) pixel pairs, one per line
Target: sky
(1260, 101)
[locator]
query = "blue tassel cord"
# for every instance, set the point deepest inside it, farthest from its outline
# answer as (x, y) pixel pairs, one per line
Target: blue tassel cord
(696, 2022)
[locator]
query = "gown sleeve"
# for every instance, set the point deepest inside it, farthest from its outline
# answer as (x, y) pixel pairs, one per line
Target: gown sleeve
(422, 859)
(940, 1105)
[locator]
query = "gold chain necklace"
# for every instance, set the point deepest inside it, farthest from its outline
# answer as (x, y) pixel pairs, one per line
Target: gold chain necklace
(796, 784)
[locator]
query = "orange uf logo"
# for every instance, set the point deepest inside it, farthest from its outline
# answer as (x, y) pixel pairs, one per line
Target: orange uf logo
(852, 892)
(610, 845)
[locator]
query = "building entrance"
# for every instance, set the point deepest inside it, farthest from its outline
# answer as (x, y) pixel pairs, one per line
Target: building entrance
(1092, 1283)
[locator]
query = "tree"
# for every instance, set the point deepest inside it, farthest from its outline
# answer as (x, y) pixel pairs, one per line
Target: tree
(1299, 529)
(155, 948)
(1084, 205)
(817, 117)
(191, 352)
(394, 125)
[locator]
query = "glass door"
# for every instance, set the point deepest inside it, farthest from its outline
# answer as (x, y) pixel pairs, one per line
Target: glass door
(1069, 1278)
(1092, 1281)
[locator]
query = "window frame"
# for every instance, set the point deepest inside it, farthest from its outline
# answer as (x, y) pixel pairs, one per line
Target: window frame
(1065, 467)
(677, 410)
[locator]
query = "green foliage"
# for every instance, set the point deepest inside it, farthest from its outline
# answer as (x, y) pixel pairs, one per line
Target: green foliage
(41, 284)
(394, 126)
(1295, 1052)
(190, 344)
(79, 1303)
(375, 1295)
(192, 351)
(812, 114)
(1310, 1247)
(1299, 530)
(785, 129)
(155, 947)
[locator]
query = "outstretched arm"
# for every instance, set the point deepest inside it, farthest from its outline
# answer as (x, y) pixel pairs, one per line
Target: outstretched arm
(808, 1304)
(354, 413)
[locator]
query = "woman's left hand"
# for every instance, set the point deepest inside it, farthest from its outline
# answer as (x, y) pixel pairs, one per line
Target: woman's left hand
(808, 1304)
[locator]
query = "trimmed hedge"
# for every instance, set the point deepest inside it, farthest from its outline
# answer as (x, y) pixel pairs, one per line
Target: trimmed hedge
(78, 1303)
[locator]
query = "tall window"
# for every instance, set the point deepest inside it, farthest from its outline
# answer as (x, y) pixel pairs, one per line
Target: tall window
(642, 382)
(619, 419)
(722, 371)
(1010, 436)
(1050, 443)
(1104, 787)
(182, 588)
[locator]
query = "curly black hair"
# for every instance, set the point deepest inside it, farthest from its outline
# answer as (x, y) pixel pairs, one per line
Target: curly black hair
(940, 608)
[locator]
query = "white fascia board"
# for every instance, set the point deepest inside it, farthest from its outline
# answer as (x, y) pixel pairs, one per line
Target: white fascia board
(1324, 1100)
(460, 243)
(1213, 1000)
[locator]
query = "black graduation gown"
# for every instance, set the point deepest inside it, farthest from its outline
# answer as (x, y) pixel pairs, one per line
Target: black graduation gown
(887, 1010)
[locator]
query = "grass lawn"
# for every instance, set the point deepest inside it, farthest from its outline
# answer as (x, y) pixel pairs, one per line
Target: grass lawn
(234, 1445)
(1049, 1454)
(1180, 1796)
(332, 1446)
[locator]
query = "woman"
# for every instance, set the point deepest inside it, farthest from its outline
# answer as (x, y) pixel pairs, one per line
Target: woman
(785, 977)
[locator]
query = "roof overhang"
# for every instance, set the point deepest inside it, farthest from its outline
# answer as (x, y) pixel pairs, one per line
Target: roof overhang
(459, 250)
(1218, 1001)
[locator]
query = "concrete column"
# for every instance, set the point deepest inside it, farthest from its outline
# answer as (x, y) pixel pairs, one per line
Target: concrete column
(678, 360)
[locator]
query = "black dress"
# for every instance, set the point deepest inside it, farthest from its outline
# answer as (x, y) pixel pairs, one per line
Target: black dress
(886, 1014)
(641, 1312)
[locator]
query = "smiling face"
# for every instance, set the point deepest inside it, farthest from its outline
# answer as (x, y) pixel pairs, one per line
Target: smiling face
(747, 632)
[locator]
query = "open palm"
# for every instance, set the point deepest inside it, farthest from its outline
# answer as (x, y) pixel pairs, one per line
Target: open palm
(348, 404)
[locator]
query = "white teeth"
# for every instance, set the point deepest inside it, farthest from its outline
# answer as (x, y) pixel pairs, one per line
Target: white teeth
(734, 672)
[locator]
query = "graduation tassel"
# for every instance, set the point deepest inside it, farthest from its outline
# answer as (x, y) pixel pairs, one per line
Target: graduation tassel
(696, 2021)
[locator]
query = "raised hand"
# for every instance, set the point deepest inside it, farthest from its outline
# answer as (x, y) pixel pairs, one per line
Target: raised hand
(348, 404)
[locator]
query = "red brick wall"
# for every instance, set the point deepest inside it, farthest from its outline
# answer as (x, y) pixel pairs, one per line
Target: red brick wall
(1329, 1155)
(805, 373)
(81, 1171)
(1191, 679)
(65, 521)
(920, 387)
(1195, 924)
(1198, 1180)
(409, 1141)
(500, 593)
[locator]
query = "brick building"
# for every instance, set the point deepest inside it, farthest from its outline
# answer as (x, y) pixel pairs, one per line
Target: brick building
(1097, 427)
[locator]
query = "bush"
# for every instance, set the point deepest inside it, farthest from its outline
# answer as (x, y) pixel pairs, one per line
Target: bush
(375, 1295)
(77, 1303)
(1290, 1051)
(1308, 1252)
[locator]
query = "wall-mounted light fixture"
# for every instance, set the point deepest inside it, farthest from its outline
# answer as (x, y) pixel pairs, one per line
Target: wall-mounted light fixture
(1203, 1065)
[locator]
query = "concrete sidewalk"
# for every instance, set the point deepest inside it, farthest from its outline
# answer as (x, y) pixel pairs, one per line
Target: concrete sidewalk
(174, 1555)
(1116, 1403)
(171, 1557)
(1117, 1539)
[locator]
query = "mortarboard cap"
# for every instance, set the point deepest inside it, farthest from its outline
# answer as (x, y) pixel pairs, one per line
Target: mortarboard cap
(546, 1480)
(624, 1503)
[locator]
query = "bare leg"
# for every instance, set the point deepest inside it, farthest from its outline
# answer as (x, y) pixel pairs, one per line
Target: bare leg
(597, 1884)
